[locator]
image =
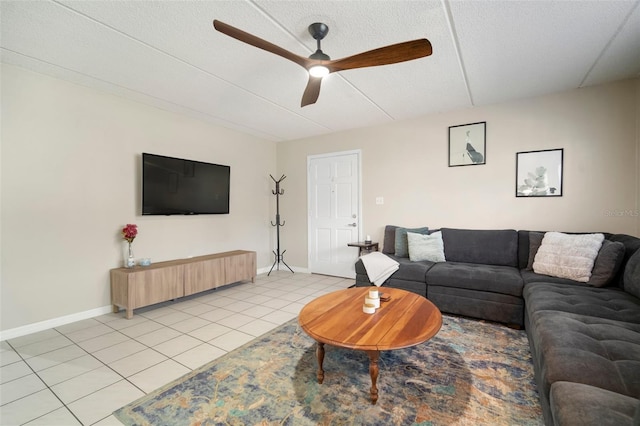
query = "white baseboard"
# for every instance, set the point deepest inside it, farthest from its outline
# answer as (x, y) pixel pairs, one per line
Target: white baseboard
(12, 333)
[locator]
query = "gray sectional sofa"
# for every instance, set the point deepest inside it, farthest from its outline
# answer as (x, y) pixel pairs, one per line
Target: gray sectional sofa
(585, 340)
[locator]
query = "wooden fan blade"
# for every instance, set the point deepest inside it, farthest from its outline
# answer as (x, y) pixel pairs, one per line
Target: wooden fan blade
(391, 54)
(260, 43)
(312, 91)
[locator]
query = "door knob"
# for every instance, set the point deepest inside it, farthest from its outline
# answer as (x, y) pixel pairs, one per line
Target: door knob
(352, 224)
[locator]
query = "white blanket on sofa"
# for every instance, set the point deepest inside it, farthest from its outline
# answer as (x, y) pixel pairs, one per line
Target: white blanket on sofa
(379, 267)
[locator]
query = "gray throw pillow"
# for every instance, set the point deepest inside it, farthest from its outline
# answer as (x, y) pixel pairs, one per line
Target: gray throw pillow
(402, 244)
(535, 239)
(632, 275)
(389, 242)
(607, 263)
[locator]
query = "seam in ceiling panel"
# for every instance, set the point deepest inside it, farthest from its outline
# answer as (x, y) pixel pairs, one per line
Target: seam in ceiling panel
(277, 24)
(609, 43)
(456, 47)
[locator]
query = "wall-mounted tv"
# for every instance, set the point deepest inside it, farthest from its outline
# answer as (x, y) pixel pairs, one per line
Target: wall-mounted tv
(174, 186)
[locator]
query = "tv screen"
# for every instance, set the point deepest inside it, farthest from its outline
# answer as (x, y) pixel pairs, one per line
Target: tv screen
(172, 186)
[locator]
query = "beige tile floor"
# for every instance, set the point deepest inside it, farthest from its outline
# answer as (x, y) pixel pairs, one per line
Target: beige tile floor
(79, 373)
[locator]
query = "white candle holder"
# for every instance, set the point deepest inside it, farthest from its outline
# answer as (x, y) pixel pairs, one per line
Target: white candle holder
(375, 302)
(368, 308)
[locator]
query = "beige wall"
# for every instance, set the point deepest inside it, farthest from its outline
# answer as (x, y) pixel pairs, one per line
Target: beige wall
(70, 180)
(406, 163)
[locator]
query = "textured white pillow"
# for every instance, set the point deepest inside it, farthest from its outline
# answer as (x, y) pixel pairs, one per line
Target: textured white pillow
(567, 256)
(426, 247)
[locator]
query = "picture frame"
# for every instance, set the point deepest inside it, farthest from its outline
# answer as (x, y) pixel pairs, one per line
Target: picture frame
(539, 173)
(467, 144)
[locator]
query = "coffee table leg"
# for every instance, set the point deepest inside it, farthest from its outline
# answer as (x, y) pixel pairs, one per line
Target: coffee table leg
(373, 371)
(320, 355)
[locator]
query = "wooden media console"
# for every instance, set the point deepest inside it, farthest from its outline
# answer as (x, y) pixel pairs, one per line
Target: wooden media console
(141, 286)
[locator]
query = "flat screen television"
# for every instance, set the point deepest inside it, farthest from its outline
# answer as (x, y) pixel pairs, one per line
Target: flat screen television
(174, 186)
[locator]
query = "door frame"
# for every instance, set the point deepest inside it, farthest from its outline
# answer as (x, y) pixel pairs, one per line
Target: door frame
(358, 153)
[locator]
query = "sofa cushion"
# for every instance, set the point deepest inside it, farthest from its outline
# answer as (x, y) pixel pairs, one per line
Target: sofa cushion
(478, 304)
(523, 249)
(411, 271)
(610, 303)
(426, 247)
(535, 239)
(631, 245)
(632, 275)
(607, 263)
(402, 241)
(568, 256)
(488, 247)
(583, 405)
(389, 242)
(585, 349)
(491, 278)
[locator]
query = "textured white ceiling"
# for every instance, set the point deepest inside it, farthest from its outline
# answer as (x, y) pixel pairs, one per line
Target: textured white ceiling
(167, 54)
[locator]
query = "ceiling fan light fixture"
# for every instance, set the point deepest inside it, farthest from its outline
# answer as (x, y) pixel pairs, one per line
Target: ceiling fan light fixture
(318, 71)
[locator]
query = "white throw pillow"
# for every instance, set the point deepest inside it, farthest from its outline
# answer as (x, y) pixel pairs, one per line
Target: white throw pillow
(426, 247)
(568, 256)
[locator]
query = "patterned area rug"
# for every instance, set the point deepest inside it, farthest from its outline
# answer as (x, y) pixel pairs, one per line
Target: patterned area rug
(470, 373)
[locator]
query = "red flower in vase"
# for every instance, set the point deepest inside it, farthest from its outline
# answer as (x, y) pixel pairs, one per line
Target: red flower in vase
(129, 232)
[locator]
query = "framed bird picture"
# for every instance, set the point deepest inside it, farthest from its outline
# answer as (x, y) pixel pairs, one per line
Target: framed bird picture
(467, 144)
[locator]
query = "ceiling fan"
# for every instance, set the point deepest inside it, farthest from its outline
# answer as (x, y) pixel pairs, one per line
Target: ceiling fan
(319, 64)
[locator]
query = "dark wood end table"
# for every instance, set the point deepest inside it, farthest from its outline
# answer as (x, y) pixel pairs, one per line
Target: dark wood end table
(364, 246)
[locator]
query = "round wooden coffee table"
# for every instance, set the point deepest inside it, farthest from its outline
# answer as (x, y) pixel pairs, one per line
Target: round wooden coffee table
(337, 319)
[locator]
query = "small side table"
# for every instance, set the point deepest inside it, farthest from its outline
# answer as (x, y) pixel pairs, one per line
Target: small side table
(364, 247)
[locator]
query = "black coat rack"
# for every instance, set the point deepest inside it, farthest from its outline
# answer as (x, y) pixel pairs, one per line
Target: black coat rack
(279, 256)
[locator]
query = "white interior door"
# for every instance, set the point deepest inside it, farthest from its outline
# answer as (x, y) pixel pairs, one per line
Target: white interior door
(334, 213)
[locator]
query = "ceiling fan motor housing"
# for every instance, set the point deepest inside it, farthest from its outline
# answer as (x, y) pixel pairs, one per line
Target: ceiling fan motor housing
(318, 30)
